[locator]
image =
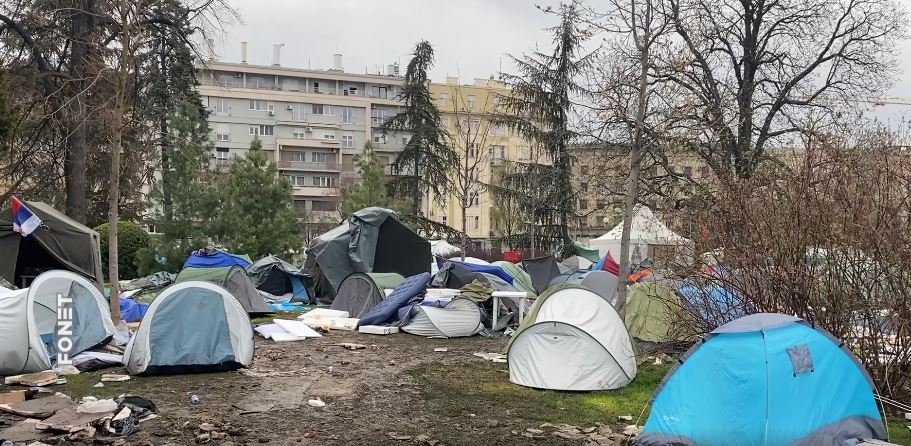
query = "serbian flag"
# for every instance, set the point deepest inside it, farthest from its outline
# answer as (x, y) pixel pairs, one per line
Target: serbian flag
(24, 220)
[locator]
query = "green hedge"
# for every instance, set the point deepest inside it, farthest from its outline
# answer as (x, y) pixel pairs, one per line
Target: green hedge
(131, 239)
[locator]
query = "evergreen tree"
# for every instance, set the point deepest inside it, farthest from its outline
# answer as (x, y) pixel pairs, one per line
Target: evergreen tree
(538, 108)
(370, 189)
(426, 161)
(256, 215)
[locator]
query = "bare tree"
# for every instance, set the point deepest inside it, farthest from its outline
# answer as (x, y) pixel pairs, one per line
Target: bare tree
(745, 74)
(470, 141)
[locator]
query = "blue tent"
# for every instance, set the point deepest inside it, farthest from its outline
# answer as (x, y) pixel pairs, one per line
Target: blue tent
(712, 303)
(764, 379)
(216, 259)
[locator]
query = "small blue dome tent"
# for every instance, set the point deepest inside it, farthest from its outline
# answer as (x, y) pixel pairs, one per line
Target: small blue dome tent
(711, 303)
(216, 259)
(764, 379)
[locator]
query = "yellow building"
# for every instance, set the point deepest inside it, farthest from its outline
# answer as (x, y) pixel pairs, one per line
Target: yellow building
(467, 112)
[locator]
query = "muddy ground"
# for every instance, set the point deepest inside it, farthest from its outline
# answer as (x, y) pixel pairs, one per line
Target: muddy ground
(390, 393)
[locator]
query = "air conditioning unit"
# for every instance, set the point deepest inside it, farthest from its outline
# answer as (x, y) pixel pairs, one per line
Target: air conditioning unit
(290, 107)
(238, 75)
(308, 129)
(345, 92)
(271, 112)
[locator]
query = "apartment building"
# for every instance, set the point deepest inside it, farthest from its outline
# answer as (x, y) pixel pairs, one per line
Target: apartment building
(311, 122)
(482, 146)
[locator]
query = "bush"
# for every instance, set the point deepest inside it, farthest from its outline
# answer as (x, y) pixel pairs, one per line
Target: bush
(131, 240)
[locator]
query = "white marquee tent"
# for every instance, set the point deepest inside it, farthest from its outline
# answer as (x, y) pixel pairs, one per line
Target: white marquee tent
(647, 232)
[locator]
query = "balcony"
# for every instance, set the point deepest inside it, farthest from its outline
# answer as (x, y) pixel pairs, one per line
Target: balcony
(301, 165)
(308, 142)
(315, 191)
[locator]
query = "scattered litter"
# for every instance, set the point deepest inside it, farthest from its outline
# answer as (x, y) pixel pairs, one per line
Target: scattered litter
(324, 313)
(66, 370)
(316, 403)
(310, 435)
(329, 319)
(625, 417)
(248, 409)
(125, 423)
(396, 436)
(658, 361)
(378, 330)
(40, 407)
(534, 431)
(352, 346)
(97, 406)
(632, 430)
(441, 349)
(22, 432)
(194, 400)
(272, 373)
(38, 379)
(495, 357)
(296, 328)
(98, 386)
(113, 377)
(69, 421)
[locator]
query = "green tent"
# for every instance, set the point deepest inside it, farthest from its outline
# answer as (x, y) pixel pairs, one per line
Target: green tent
(590, 254)
(233, 279)
(651, 311)
(520, 279)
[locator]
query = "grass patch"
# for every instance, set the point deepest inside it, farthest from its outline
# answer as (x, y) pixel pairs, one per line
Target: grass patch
(484, 389)
(899, 432)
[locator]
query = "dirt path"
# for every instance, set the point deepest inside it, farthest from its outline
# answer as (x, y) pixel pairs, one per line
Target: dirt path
(369, 394)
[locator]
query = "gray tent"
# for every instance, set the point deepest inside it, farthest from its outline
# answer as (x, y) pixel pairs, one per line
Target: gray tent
(191, 327)
(360, 292)
(60, 243)
(542, 270)
(29, 318)
(601, 282)
(232, 278)
(372, 240)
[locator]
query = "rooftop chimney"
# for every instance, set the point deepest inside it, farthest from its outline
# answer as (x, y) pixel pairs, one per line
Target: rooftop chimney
(277, 54)
(243, 52)
(211, 45)
(337, 62)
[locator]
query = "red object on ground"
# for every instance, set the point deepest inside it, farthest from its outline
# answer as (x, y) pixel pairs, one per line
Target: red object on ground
(611, 265)
(512, 256)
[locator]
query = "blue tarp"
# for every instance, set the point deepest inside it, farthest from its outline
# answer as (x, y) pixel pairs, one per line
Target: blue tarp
(132, 311)
(216, 259)
(400, 297)
(712, 302)
(489, 269)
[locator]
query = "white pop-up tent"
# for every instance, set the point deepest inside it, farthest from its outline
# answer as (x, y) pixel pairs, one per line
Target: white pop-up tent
(572, 339)
(29, 321)
(647, 233)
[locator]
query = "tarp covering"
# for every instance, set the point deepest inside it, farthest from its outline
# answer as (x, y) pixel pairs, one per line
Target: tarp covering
(542, 270)
(488, 268)
(372, 240)
(278, 277)
(774, 383)
(216, 259)
(60, 243)
(590, 254)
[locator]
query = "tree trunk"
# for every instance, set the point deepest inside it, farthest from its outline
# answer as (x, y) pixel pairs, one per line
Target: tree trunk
(165, 136)
(416, 190)
(464, 228)
(632, 182)
(116, 147)
(76, 154)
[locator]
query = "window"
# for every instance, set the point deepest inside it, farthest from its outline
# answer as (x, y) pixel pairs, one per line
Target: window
(499, 129)
(221, 153)
(297, 157)
(320, 109)
(524, 153)
(477, 222)
(471, 126)
(302, 133)
(473, 150)
(348, 141)
(583, 204)
(221, 106)
(319, 157)
(584, 170)
(469, 102)
(329, 136)
(583, 187)
(223, 137)
(299, 112)
(444, 99)
(258, 105)
(316, 88)
(380, 92)
(474, 200)
(322, 181)
(688, 171)
(378, 116)
(443, 220)
(498, 152)
(262, 130)
(323, 206)
(297, 181)
(347, 115)
(404, 140)
(703, 171)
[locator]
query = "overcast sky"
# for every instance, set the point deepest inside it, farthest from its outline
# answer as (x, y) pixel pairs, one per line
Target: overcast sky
(470, 37)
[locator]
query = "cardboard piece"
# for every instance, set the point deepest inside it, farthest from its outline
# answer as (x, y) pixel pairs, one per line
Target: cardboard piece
(113, 377)
(68, 420)
(23, 432)
(377, 329)
(40, 407)
(12, 397)
(38, 379)
(267, 330)
(296, 328)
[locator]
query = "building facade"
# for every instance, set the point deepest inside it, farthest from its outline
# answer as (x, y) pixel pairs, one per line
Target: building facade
(311, 122)
(467, 111)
